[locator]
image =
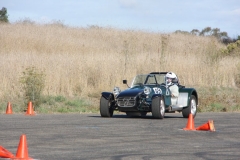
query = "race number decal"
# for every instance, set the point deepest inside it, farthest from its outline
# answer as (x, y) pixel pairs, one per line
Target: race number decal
(157, 90)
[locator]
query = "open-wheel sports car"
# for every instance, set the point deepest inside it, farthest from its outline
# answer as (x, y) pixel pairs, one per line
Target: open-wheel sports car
(149, 93)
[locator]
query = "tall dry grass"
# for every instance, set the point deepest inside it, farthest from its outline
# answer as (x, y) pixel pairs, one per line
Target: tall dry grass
(86, 61)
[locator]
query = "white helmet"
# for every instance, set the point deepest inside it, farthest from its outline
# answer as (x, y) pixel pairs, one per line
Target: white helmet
(172, 76)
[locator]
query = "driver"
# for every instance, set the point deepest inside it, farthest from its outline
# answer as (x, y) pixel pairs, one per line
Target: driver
(170, 76)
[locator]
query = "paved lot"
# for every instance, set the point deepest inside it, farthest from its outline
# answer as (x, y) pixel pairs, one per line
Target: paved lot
(89, 136)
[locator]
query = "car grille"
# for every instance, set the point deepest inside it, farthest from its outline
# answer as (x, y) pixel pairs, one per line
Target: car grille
(126, 101)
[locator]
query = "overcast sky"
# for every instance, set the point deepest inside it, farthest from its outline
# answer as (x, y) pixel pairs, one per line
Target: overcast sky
(149, 15)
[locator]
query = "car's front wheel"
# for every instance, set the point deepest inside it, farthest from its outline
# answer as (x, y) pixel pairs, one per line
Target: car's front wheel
(158, 108)
(191, 108)
(106, 109)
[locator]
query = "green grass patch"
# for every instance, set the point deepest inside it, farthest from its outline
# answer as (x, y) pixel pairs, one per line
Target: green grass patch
(17, 106)
(219, 99)
(55, 104)
(61, 104)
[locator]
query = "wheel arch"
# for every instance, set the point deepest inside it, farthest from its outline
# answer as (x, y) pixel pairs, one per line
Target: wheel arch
(194, 93)
(156, 95)
(107, 95)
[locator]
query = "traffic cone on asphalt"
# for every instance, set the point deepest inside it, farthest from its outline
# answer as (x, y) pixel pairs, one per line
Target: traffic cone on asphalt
(209, 126)
(9, 108)
(22, 151)
(5, 153)
(30, 109)
(190, 123)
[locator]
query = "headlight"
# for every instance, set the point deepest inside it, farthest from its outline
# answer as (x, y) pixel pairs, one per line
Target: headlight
(116, 91)
(147, 90)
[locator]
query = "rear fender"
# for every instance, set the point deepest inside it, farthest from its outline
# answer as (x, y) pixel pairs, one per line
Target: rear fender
(189, 91)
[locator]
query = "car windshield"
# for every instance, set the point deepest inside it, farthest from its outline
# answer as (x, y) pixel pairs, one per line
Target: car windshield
(148, 79)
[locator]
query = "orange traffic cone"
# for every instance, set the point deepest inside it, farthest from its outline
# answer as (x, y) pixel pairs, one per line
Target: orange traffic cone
(22, 151)
(209, 126)
(30, 109)
(5, 153)
(190, 123)
(9, 108)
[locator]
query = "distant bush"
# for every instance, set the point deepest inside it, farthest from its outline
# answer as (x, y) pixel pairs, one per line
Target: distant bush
(232, 48)
(32, 83)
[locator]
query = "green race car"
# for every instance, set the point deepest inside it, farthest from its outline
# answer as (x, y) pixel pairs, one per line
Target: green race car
(149, 93)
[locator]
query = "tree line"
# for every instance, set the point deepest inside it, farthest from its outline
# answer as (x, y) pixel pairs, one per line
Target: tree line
(208, 31)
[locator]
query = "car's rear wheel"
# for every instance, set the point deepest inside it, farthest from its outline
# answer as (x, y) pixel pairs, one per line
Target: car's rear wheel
(158, 108)
(106, 109)
(191, 108)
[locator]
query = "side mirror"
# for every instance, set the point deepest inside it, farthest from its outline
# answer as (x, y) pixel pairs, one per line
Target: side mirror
(125, 82)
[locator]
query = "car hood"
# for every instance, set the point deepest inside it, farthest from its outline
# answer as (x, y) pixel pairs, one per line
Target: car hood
(131, 92)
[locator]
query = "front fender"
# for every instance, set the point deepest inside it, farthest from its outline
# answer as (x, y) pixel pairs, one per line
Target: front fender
(107, 95)
(156, 95)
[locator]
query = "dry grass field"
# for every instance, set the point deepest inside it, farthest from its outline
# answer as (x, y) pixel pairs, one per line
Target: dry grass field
(84, 62)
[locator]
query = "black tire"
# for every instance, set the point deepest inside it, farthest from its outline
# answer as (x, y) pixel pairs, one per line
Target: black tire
(106, 109)
(191, 108)
(158, 108)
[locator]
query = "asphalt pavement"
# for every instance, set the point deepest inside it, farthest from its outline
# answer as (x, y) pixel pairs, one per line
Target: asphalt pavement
(89, 136)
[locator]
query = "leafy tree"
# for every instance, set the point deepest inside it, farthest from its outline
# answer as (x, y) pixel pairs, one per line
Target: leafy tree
(224, 34)
(206, 31)
(195, 32)
(3, 15)
(216, 32)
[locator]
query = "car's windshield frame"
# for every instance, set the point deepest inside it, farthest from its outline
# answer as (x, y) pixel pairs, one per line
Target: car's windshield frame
(148, 79)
